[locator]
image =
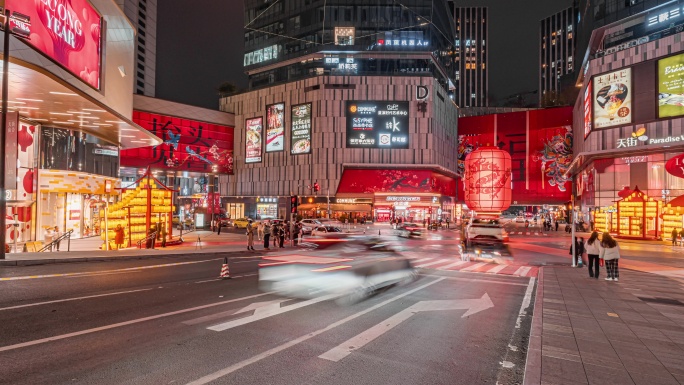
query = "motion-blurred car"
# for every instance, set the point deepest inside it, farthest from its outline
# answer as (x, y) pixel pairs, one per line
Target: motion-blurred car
(350, 270)
(409, 230)
(309, 224)
(240, 223)
(519, 219)
(327, 231)
(485, 230)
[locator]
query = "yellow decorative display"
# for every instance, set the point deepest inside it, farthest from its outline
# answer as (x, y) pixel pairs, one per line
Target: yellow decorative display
(638, 216)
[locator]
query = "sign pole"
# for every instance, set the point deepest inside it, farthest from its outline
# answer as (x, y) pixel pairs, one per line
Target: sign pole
(3, 135)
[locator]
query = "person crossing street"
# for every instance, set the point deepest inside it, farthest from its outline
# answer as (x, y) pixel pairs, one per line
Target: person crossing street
(250, 235)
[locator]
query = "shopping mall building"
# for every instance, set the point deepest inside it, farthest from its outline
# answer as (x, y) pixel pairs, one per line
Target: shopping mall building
(629, 125)
(69, 112)
(348, 114)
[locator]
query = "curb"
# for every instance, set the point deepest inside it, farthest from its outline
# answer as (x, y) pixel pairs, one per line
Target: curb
(533, 363)
(34, 262)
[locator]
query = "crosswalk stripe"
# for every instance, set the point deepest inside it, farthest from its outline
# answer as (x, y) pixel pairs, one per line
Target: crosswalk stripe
(496, 269)
(421, 260)
(522, 270)
(473, 267)
(431, 263)
(459, 263)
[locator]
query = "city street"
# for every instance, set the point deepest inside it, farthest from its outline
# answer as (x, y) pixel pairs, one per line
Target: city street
(170, 320)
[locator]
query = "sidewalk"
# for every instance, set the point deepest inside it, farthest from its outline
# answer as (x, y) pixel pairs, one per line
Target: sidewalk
(588, 331)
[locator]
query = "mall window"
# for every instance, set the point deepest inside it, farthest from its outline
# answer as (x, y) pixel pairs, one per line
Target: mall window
(68, 150)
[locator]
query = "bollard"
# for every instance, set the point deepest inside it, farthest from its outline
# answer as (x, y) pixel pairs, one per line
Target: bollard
(378, 232)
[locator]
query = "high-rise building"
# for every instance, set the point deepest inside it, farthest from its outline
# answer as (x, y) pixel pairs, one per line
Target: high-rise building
(556, 52)
(143, 15)
(471, 58)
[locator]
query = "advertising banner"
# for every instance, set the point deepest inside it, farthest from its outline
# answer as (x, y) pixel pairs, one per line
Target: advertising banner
(671, 86)
(613, 99)
(275, 128)
(189, 145)
(587, 111)
(300, 134)
(67, 31)
(377, 124)
(11, 148)
(253, 134)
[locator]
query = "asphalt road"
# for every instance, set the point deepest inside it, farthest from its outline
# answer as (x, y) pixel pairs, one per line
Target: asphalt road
(169, 320)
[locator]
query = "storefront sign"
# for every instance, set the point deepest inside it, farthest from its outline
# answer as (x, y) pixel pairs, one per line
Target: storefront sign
(108, 186)
(20, 25)
(671, 86)
(675, 166)
(353, 200)
(337, 64)
(403, 39)
(422, 92)
(402, 199)
(613, 99)
(68, 31)
(253, 134)
(663, 17)
(377, 124)
(104, 151)
(587, 110)
(275, 127)
(300, 133)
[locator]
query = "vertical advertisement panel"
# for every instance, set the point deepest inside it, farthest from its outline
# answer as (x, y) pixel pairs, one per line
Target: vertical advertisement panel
(253, 136)
(11, 143)
(275, 127)
(671, 86)
(377, 124)
(587, 110)
(300, 133)
(613, 98)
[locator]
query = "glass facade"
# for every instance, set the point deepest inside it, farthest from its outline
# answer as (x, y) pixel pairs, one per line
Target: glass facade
(68, 150)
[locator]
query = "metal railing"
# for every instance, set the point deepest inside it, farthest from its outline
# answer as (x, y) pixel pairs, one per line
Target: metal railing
(152, 236)
(56, 241)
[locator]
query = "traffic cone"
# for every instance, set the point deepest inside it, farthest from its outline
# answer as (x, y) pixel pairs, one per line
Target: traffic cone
(225, 271)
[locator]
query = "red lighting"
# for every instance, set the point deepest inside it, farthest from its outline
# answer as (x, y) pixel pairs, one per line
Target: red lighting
(488, 179)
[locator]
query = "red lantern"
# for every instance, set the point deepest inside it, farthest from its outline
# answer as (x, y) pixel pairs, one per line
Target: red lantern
(488, 180)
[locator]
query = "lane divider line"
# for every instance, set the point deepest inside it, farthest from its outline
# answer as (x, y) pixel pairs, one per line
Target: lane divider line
(73, 299)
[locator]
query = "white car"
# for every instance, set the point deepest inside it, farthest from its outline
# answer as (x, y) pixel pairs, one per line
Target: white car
(309, 224)
(486, 230)
(328, 232)
(519, 219)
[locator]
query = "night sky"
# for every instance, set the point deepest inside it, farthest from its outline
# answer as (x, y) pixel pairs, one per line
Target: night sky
(200, 46)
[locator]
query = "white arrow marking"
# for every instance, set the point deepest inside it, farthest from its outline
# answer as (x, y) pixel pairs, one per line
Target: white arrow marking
(346, 348)
(267, 311)
(258, 307)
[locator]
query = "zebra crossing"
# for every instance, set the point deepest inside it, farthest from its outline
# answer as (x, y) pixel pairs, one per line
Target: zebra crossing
(452, 264)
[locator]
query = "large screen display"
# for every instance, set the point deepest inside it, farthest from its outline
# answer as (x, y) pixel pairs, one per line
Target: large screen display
(377, 124)
(671, 86)
(68, 31)
(613, 99)
(275, 127)
(253, 135)
(587, 111)
(300, 134)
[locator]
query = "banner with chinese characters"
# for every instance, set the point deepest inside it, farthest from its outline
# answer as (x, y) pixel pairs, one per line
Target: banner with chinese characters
(671, 86)
(253, 134)
(188, 145)
(613, 98)
(587, 111)
(300, 134)
(377, 124)
(275, 127)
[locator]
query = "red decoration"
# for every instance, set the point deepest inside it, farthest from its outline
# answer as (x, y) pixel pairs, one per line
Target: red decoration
(488, 180)
(675, 166)
(370, 181)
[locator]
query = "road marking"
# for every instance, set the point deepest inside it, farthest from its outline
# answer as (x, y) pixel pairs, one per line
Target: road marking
(258, 307)
(99, 274)
(525, 303)
(431, 263)
(459, 263)
(125, 323)
(235, 367)
(106, 271)
(210, 280)
(496, 269)
(347, 347)
(421, 260)
(522, 270)
(474, 267)
(72, 299)
(270, 311)
(484, 279)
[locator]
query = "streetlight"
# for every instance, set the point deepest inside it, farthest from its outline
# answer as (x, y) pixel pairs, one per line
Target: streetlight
(19, 25)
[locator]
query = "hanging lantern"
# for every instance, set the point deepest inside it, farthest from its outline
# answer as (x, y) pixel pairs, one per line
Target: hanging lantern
(488, 180)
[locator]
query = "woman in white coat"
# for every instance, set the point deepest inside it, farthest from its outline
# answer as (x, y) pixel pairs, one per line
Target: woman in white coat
(610, 252)
(593, 250)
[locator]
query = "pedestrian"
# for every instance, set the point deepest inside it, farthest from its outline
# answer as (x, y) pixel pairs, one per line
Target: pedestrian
(56, 237)
(119, 237)
(675, 235)
(593, 251)
(260, 230)
(610, 253)
(150, 238)
(275, 234)
(556, 225)
(162, 231)
(579, 250)
(447, 223)
(295, 232)
(219, 223)
(250, 235)
(267, 235)
(681, 236)
(281, 235)
(424, 222)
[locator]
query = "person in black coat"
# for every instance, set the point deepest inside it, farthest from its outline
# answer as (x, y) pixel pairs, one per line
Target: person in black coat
(579, 250)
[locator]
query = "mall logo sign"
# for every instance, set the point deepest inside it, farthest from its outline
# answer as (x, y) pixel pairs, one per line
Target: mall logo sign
(637, 136)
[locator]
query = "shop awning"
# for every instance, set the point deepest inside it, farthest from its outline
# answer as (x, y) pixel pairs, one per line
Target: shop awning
(364, 208)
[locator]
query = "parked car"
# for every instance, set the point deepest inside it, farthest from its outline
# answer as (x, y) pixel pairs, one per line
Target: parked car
(187, 223)
(409, 230)
(485, 230)
(519, 219)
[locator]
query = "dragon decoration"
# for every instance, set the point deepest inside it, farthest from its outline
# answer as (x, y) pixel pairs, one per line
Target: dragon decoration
(556, 158)
(464, 148)
(491, 179)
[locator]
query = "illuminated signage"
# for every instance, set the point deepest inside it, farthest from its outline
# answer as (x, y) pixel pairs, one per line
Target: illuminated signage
(68, 31)
(377, 124)
(402, 199)
(612, 98)
(20, 25)
(664, 17)
(300, 133)
(403, 39)
(337, 64)
(344, 35)
(671, 86)
(275, 127)
(253, 134)
(587, 111)
(422, 92)
(640, 136)
(675, 166)
(261, 55)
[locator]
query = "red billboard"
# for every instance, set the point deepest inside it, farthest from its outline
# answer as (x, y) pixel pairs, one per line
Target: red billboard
(370, 181)
(68, 31)
(189, 145)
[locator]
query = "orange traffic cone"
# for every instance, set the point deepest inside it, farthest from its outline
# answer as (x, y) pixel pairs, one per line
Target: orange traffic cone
(225, 271)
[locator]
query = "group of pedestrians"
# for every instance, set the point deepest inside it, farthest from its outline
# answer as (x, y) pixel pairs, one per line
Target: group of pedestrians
(606, 249)
(276, 233)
